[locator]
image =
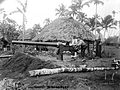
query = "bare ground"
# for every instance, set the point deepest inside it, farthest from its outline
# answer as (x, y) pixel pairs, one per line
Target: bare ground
(74, 81)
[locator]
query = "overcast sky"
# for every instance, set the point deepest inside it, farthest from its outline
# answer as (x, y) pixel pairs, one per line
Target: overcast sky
(39, 10)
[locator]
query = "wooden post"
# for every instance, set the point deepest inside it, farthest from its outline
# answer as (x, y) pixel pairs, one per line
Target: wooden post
(93, 47)
(60, 52)
(88, 48)
(105, 75)
(60, 56)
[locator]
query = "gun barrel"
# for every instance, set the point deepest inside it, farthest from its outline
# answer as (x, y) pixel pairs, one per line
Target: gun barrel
(55, 44)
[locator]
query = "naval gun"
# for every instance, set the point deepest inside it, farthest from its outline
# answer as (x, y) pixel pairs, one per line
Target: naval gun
(61, 46)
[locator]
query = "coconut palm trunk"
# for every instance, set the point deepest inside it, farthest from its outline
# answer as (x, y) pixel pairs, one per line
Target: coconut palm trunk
(119, 32)
(23, 12)
(95, 18)
(82, 68)
(96, 2)
(4, 32)
(104, 33)
(23, 27)
(23, 37)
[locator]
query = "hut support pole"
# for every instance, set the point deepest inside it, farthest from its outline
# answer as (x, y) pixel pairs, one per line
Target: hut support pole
(105, 75)
(60, 57)
(93, 47)
(60, 53)
(88, 48)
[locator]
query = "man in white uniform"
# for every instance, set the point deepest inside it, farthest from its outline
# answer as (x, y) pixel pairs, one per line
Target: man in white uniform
(74, 43)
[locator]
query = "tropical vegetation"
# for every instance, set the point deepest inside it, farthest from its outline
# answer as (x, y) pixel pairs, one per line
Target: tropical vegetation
(75, 11)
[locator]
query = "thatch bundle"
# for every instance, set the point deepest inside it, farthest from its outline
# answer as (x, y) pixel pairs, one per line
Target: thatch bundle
(64, 29)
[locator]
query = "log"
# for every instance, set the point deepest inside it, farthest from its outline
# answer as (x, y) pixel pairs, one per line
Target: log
(68, 70)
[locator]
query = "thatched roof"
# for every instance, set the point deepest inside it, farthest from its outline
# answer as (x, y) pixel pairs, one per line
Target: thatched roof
(64, 29)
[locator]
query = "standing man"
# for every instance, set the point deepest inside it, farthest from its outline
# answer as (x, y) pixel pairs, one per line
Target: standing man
(5, 43)
(83, 46)
(99, 40)
(74, 43)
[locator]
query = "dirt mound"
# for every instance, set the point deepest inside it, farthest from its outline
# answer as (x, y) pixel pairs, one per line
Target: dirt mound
(22, 62)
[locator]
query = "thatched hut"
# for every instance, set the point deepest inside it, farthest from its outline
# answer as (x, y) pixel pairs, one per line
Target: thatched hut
(27, 37)
(64, 29)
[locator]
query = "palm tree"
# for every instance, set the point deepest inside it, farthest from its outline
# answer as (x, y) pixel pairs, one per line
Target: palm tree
(6, 20)
(91, 23)
(23, 12)
(79, 4)
(114, 13)
(107, 22)
(76, 9)
(96, 2)
(37, 28)
(61, 11)
(8, 30)
(73, 11)
(82, 17)
(47, 21)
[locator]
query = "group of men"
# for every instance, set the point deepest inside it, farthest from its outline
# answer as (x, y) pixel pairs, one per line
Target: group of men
(77, 42)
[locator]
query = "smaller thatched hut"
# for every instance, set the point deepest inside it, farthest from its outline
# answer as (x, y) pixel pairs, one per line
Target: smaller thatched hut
(64, 29)
(27, 37)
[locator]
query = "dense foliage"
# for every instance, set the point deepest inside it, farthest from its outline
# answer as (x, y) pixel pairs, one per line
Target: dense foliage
(9, 31)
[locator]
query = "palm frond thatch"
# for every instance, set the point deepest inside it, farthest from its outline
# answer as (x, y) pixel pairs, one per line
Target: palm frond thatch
(64, 29)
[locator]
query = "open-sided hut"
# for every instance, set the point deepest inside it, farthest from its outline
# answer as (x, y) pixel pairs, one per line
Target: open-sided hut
(63, 29)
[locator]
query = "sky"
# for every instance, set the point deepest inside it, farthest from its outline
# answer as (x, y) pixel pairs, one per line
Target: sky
(39, 10)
